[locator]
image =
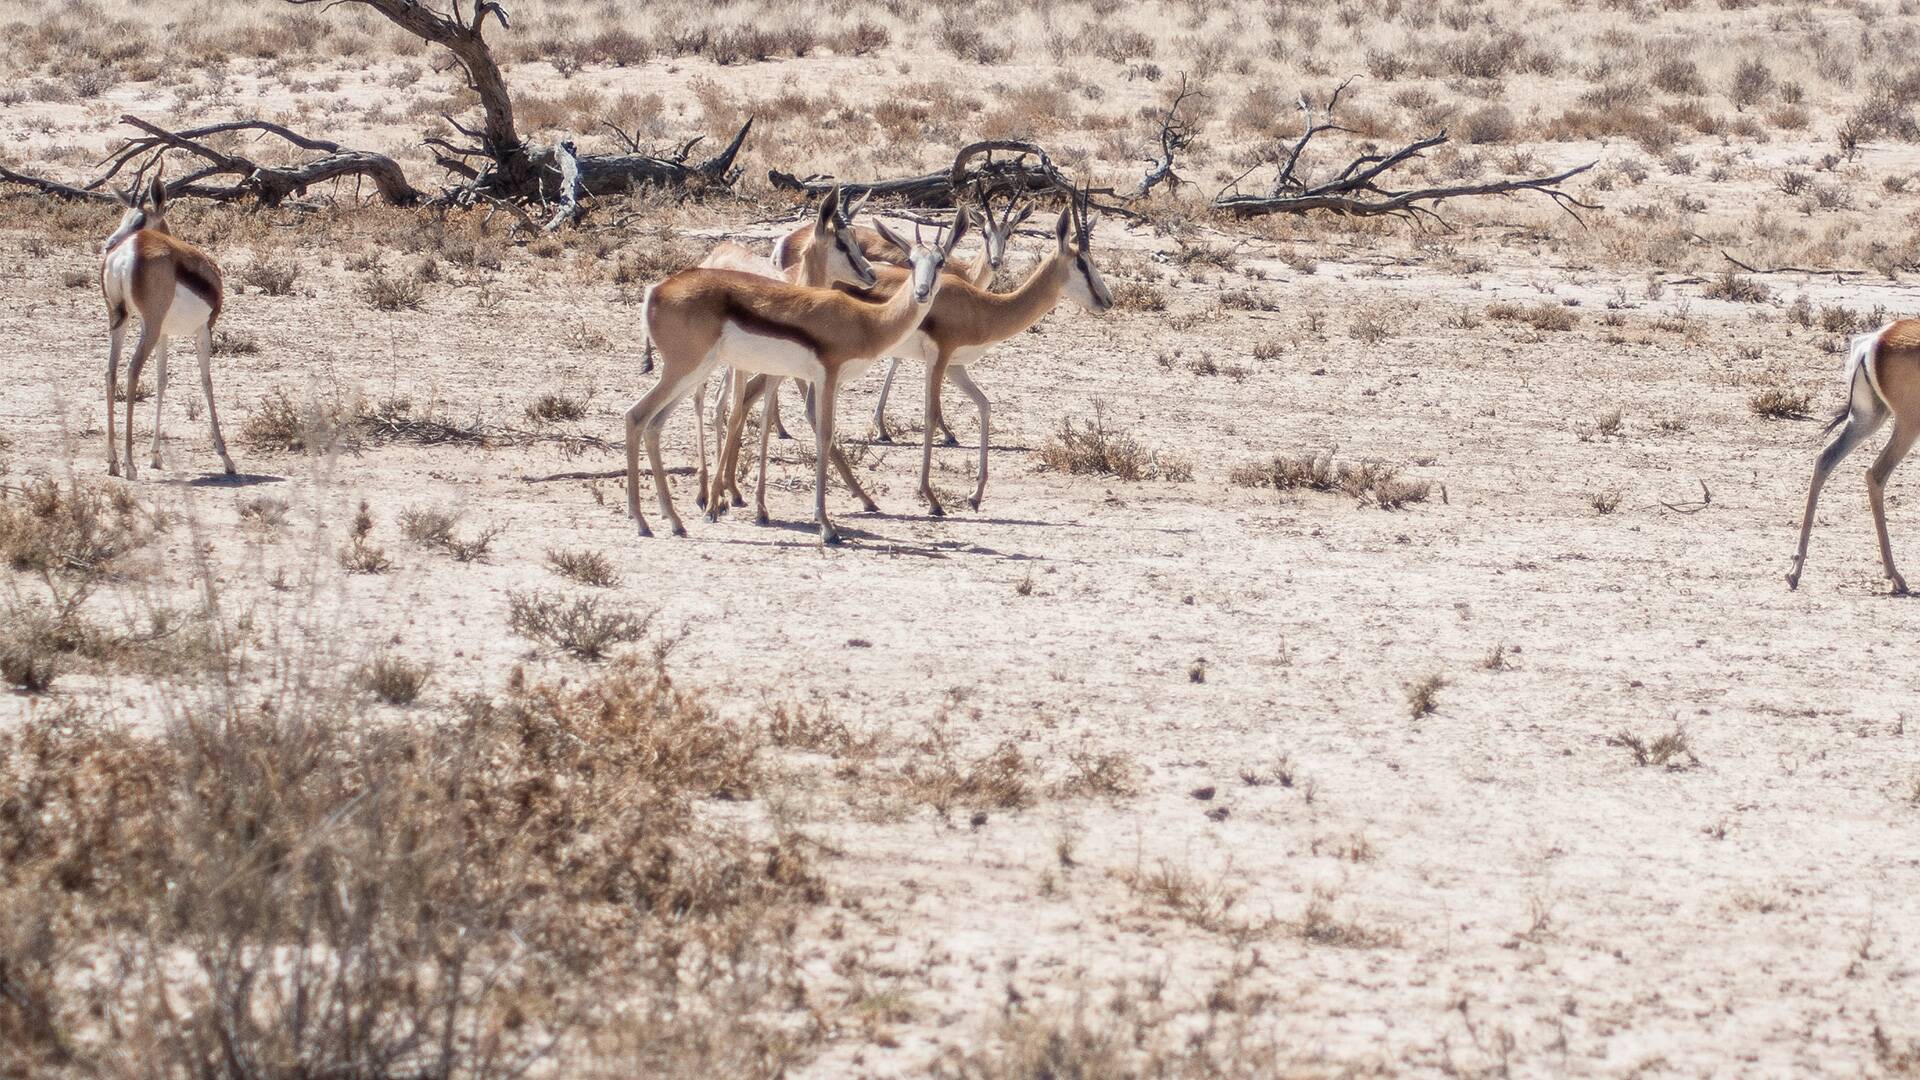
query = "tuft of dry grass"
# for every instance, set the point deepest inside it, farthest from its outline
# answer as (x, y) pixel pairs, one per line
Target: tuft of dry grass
(1373, 483)
(80, 527)
(1423, 694)
(1781, 403)
(395, 679)
(1093, 449)
(586, 567)
(273, 277)
(583, 626)
(1670, 751)
(1542, 316)
(554, 407)
(433, 528)
(360, 555)
(393, 292)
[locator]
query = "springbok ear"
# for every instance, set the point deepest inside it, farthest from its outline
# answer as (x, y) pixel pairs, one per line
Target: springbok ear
(953, 236)
(157, 190)
(829, 212)
(1018, 218)
(1064, 228)
(892, 237)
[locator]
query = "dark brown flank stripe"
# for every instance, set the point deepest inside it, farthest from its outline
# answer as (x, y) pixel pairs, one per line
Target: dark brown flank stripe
(199, 285)
(755, 323)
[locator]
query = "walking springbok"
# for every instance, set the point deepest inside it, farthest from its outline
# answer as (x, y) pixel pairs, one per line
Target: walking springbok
(699, 319)
(1883, 380)
(962, 323)
(176, 289)
(824, 253)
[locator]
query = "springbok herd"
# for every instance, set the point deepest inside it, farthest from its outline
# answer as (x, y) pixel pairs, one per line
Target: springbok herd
(831, 300)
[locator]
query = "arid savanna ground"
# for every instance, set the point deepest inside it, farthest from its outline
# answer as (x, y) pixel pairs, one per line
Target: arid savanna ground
(1404, 682)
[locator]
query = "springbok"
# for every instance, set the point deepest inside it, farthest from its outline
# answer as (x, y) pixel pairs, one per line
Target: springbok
(824, 253)
(699, 319)
(994, 234)
(962, 323)
(176, 289)
(1883, 380)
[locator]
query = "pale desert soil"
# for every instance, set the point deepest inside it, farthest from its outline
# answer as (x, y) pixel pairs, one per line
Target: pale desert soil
(1521, 894)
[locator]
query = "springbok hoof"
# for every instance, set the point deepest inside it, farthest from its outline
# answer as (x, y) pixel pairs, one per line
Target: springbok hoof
(761, 517)
(679, 529)
(974, 502)
(936, 510)
(1899, 585)
(883, 436)
(949, 440)
(1793, 582)
(829, 537)
(645, 533)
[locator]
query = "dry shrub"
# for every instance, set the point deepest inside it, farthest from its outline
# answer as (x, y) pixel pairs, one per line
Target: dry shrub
(1781, 403)
(1093, 449)
(390, 292)
(1138, 296)
(395, 679)
(360, 555)
(286, 888)
(1423, 694)
(1752, 81)
(586, 567)
(957, 34)
(1737, 287)
(1670, 751)
(1541, 316)
(554, 407)
(582, 626)
(279, 424)
(1090, 775)
(1373, 483)
(938, 775)
(79, 528)
(271, 276)
(1489, 124)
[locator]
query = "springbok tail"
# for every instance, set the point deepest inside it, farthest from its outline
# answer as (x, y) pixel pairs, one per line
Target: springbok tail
(646, 327)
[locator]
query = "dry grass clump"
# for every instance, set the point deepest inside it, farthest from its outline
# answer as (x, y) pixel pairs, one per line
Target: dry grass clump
(1094, 449)
(1318, 925)
(430, 527)
(73, 528)
(360, 555)
(526, 885)
(938, 775)
(271, 276)
(1737, 287)
(1373, 483)
(1423, 694)
(583, 626)
(1105, 775)
(586, 567)
(1541, 316)
(554, 407)
(1781, 403)
(278, 424)
(393, 292)
(395, 679)
(1670, 751)
(1138, 296)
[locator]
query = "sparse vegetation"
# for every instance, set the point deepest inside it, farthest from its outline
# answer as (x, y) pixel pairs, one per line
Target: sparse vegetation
(1551, 317)
(1091, 448)
(1423, 694)
(1373, 483)
(586, 567)
(1670, 751)
(1781, 403)
(585, 626)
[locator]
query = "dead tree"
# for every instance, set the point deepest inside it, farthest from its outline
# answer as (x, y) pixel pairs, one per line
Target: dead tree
(497, 162)
(269, 184)
(1176, 134)
(1360, 188)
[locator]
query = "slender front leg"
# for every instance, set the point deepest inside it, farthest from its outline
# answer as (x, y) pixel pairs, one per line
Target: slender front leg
(159, 395)
(149, 338)
(644, 421)
(1859, 427)
(205, 344)
(824, 402)
(699, 428)
(768, 418)
(958, 373)
(116, 338)
(881, 434)
(745, 390)
(1904, 434)
(936, 369)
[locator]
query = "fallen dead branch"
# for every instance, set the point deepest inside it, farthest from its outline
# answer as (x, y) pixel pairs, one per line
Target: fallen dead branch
(1836, 271)
(1360, 187)
(1016, 176)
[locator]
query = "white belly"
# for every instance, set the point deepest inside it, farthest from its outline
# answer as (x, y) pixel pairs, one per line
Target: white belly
(767, 355)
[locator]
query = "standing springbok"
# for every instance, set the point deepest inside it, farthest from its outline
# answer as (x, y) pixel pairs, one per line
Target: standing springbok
(1883, 380)
(965, 321)
(994, 234)
(176, 289)
(699, 319)
(825, 253)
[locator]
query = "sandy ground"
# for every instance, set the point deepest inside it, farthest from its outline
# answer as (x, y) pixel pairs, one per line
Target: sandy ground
(1528, 898)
